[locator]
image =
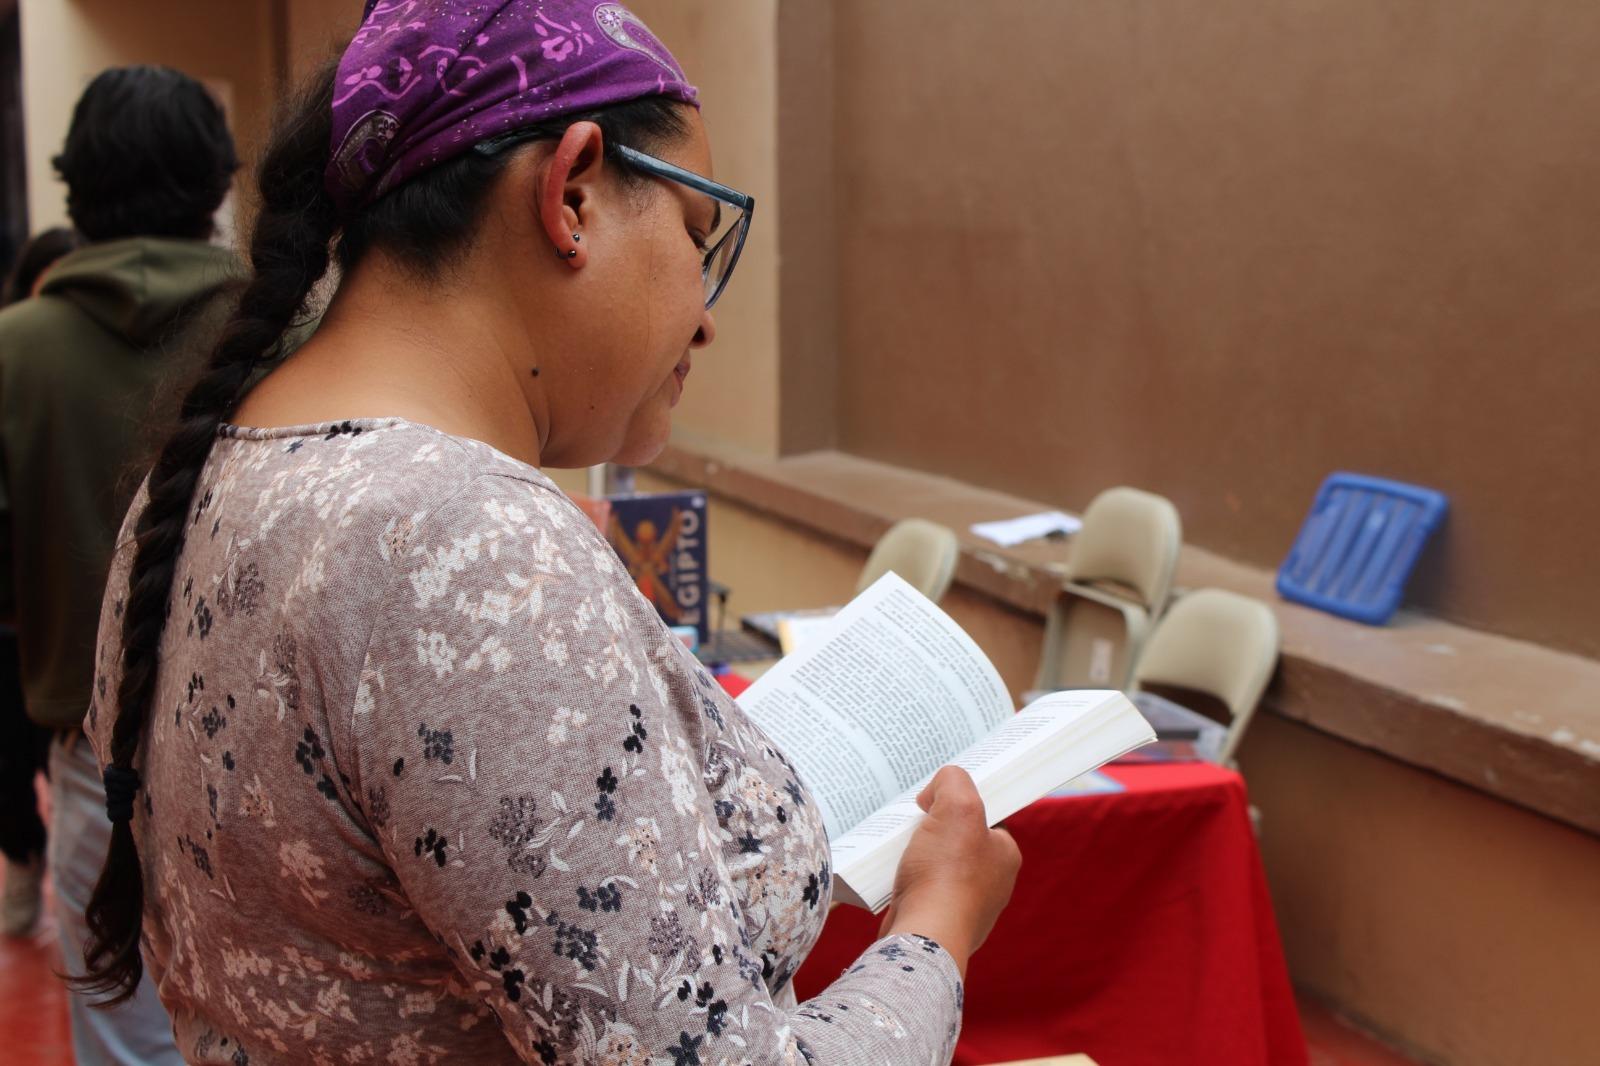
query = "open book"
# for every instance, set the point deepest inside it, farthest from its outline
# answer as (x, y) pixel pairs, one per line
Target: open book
(892, 690)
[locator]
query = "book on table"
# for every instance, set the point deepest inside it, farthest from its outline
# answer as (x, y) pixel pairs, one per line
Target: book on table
(661, 538)
(893, 689)
(802, 629)
(771, 624)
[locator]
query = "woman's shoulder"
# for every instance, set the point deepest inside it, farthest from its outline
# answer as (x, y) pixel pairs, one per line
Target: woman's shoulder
(348, 509)
(390, 472)
(408, 457)
(427, 499)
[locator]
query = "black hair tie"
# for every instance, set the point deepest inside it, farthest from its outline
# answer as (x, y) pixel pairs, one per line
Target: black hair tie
(122, 782)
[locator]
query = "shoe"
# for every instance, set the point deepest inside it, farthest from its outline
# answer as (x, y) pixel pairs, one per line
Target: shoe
(19, 906)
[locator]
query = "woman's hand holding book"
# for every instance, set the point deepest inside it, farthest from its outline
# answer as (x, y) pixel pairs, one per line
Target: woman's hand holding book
(957, 874)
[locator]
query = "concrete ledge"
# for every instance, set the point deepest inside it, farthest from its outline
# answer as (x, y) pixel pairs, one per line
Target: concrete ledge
(1512, 719)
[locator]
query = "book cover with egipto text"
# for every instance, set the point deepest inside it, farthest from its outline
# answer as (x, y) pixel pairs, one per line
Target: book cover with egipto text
(661, 539)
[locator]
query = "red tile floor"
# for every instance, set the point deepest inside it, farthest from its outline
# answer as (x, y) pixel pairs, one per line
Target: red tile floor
(33, 1003)
(33, 1013)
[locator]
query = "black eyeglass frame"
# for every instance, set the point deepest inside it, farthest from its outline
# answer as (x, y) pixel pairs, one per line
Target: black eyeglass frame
(660, 168)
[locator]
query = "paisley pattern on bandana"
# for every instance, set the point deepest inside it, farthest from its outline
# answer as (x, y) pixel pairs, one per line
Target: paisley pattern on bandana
(624, 27)
(365, 147)
(424, 80)
(427, 780)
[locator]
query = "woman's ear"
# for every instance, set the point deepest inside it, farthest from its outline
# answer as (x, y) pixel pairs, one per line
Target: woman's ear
(567, 185)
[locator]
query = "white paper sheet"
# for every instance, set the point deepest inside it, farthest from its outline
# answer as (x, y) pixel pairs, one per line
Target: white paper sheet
(1013, 531)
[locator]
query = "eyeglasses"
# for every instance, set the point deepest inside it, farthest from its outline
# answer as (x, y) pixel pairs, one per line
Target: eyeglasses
(727, 232)
(728, 229)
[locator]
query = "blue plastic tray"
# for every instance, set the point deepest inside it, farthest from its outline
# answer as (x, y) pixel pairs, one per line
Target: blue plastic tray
(1358, 546)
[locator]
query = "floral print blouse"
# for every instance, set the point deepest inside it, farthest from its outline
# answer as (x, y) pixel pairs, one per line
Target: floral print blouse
(427, 780)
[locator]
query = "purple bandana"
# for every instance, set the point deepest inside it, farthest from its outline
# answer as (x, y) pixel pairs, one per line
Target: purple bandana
(424, 80)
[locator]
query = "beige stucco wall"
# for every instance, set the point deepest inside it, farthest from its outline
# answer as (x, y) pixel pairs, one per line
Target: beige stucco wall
(729, 50)
(65, 43)
(1219, 250)
(316, 31)
(1456, 924)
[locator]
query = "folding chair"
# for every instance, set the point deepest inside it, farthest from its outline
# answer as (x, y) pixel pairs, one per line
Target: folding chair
(1217, 643)
(1122, 566)
(923, 553)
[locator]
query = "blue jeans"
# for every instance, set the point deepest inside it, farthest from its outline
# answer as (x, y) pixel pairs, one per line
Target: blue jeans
(135, 1033)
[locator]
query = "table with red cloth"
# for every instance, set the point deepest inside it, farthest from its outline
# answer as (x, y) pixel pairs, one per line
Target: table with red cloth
(1140, 932)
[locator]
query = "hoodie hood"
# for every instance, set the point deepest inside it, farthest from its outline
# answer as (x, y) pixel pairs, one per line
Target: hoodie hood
(137, 288)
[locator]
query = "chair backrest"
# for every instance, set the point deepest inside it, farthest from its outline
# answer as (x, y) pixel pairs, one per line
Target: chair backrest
(923, 553)
(1130, 539)
(1090, 640)
(1219, 643)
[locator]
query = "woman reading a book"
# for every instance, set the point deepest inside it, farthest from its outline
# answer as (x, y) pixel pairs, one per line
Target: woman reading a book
(401, 766)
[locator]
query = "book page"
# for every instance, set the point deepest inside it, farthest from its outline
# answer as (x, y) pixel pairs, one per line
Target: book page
(984, 760)
(878, 701)
(1048, 743)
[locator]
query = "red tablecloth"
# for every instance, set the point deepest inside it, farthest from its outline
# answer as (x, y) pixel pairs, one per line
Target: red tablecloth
(734, 684)
(1140, 933)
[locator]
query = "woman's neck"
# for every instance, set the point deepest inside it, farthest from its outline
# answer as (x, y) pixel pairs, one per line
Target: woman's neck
(390, 346)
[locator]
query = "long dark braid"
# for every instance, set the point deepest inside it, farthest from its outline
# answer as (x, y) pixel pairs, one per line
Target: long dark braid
(425, 225)
(288, 254)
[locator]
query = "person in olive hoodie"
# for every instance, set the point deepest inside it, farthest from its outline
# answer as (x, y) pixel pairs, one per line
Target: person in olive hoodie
(24, 745)
(117, 324)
